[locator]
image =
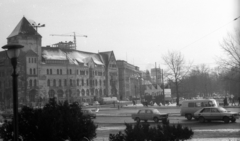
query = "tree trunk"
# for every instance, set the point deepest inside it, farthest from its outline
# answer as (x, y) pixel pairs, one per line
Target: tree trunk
(176, 84)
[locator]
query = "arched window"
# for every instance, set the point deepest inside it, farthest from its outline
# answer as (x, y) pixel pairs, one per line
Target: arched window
(57, 71)
(30, 71)
(96, 82)
(47, 71)
(83, 92)
(50, 71)
(51, 94)
(100, 82)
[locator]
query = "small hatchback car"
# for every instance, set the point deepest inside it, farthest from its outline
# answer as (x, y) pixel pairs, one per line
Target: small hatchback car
(216, 113)
(89, 112)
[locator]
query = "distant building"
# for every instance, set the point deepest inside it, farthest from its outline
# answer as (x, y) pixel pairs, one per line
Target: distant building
(156, 75)
(129, 80)
(58, 71)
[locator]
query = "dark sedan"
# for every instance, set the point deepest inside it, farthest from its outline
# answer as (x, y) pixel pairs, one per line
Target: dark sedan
(216, 113)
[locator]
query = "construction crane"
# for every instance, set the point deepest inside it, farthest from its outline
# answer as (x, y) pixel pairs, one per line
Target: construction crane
(74, 37)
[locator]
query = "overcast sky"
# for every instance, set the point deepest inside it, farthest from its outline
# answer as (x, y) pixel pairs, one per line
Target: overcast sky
(138, 31)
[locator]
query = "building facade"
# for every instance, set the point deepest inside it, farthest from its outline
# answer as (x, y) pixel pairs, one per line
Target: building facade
(58, 71)
(129, 80)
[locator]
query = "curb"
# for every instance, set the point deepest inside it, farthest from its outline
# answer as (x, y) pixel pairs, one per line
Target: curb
(129, 115)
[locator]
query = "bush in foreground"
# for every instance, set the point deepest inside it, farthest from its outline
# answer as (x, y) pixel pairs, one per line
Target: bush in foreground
(144, 132)
(55, 122)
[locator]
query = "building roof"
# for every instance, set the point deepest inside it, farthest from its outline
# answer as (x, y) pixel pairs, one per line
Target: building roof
(106, 56)
(74, 56)
(24, 28)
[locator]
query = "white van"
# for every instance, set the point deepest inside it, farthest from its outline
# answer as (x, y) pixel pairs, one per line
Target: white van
(189, 107)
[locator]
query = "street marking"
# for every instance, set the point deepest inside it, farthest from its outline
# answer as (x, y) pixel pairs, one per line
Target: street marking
(197, 130)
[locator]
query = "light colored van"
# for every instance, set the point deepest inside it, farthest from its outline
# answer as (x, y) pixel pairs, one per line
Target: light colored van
(189, 107)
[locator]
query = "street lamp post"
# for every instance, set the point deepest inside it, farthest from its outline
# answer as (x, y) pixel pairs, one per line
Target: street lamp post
(13, 52)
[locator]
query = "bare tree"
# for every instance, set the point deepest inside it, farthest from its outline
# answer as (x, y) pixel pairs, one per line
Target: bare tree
(231, 47)
(177, 68)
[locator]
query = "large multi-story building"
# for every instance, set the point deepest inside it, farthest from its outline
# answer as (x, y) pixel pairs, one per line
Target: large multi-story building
(129, 80)
(58, 71)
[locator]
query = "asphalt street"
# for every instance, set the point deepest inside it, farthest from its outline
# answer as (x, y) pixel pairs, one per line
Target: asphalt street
(111, 120)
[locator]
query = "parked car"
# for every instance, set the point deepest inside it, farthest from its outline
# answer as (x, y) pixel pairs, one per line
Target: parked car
(189, 107)
(149, 114)
(84, 104)
(89, 112)
(216, 113)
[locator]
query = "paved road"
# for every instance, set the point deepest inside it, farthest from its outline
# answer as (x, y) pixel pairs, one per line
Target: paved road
(214, 129)
(111, 120)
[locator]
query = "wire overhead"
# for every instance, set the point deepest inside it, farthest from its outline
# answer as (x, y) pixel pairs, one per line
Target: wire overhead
(210, 33)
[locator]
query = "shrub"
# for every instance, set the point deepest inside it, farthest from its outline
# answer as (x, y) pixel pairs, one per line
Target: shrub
(145, 132)
(55, 122)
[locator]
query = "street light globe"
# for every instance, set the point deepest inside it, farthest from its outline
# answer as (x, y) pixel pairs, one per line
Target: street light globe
(13, 50)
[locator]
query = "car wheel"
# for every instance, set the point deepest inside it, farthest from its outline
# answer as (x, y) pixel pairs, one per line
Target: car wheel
(137, 119)
(145, 120)
(233, 120)
(226, 119)
(202, 119)
(156, 119)
(189, 117)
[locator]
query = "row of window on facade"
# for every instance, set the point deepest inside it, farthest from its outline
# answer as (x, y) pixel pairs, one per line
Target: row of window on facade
(32, 60)
(7, 73)
(68, 93)
(79, 82)
(6, 83)
(80, 72)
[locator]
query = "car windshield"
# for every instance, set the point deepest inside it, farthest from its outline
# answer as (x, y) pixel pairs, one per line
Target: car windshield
(222, 109)
(156, 111)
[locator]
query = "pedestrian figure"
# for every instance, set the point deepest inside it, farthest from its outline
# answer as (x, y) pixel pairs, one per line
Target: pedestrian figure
(133, 102)
(233, 102)
(114, 103)
(225, 101)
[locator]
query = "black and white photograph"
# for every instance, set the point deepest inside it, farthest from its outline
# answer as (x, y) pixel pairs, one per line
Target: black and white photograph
(120, 70)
